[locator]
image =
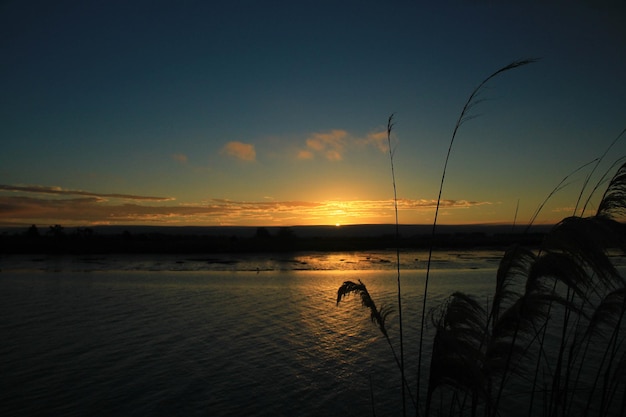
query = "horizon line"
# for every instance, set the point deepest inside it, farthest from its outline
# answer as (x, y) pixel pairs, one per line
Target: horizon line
(333, 226)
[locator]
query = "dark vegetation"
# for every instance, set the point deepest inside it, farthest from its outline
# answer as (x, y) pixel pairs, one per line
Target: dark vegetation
(102, 240)
(551, 341)
(552, 338)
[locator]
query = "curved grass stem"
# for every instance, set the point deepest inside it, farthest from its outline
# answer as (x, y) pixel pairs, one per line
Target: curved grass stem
(465, 115)
(397, 237)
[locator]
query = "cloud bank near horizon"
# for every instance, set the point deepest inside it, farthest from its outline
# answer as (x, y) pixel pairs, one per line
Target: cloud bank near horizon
(89, 208)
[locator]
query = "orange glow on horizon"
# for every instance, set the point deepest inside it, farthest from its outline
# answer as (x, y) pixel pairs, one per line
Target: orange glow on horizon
(115, 210)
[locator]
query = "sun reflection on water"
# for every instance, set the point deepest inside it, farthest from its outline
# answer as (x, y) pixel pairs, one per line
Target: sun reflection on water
(237, 340)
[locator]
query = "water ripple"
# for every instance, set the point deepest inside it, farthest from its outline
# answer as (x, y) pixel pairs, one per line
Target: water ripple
(202, 343)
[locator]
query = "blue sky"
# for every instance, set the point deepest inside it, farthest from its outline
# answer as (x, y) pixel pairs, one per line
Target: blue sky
(273, 113)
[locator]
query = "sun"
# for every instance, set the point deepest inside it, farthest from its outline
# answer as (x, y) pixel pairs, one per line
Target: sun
(337, 224)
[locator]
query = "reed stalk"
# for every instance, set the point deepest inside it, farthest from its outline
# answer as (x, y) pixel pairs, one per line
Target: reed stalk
(556, 189)
(463, 117)
(397, 237)
(598, 161)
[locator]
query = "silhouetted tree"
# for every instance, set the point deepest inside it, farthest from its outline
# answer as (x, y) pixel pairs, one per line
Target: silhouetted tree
(84, 232)
(56, 231)
(32, 231)
(262, 233)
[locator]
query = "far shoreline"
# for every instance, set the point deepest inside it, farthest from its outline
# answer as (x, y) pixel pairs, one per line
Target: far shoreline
(243, 239)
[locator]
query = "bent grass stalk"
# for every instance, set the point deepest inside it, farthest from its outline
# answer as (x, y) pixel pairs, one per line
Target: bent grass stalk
(378, 316)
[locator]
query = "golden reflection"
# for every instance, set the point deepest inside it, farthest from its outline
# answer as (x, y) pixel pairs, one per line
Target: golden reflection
(341, 261)
(341, 334)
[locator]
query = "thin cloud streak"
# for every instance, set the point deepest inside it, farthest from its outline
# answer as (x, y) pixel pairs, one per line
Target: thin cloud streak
(39, 189)
(405, 204)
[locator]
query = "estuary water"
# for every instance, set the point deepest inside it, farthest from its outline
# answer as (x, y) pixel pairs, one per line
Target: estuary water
(227, 335)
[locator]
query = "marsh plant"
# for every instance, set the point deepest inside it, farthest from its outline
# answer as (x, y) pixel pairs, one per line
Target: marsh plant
(553, 335)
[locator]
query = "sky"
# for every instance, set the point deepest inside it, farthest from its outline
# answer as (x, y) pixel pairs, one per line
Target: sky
(274, 113)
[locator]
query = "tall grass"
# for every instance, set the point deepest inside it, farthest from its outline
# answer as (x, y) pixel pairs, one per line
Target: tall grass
(554, 334)
(465, 115)
(397, 236)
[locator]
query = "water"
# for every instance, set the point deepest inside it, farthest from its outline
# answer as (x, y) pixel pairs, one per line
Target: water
(213, 336)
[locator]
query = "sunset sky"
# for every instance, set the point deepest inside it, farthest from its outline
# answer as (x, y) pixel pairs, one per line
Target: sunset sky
(273, 113)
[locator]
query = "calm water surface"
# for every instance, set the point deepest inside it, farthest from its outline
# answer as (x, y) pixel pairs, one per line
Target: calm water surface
(213, 336)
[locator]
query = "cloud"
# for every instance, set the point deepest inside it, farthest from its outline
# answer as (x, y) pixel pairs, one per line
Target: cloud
(378, 139)
(39, 189)
(305, 154)
(24, 210)
(333, 155)
(329, 144)
(407, 204)
(180, 157)
(240, 150)
(332, 145)
(72, 211)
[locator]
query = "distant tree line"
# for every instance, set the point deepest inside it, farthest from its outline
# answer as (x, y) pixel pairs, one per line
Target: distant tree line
(81, 240)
